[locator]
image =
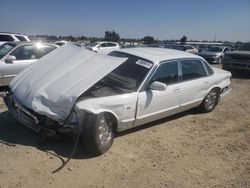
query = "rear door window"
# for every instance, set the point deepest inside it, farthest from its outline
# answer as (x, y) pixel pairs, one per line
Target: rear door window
(192, 69)
(110, 44)
(103, 45)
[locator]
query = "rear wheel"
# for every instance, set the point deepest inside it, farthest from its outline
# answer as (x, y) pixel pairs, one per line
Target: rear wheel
(98, 133)
(210, 101)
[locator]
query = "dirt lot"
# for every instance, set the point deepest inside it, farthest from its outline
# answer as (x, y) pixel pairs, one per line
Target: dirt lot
(187, 150)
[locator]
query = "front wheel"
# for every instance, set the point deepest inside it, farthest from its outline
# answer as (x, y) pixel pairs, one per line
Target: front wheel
(98, 133)
(210, 101)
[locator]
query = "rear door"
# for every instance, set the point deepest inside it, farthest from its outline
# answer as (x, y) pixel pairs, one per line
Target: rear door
(195, 83)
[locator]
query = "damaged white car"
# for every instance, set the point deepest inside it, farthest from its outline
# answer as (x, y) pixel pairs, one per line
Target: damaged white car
(75, 89)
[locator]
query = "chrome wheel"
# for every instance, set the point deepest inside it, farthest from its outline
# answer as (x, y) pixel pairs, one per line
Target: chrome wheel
(211, 100)
(105, 129)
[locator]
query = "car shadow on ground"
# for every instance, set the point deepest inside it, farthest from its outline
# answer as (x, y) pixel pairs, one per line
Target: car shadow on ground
(13, 133)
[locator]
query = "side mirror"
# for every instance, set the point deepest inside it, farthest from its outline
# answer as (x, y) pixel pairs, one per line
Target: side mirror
(159, 86)
(10, 59)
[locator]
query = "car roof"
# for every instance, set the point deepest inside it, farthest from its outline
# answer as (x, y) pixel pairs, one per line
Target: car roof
(105, 42)
(18, 34)
(157, 55)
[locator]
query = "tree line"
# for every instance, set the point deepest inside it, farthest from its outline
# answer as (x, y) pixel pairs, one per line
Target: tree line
(114, 37)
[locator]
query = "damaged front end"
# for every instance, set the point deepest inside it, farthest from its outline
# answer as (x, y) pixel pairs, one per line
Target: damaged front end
(41, 124)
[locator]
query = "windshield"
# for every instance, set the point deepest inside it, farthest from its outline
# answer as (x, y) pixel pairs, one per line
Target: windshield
(6, 48)
(129, 75)
(214, 49)
(244, 47)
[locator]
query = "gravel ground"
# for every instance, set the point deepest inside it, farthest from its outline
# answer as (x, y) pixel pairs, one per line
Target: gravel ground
(186, 150)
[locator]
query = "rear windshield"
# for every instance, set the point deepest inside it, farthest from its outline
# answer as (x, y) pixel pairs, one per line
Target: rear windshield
(21, 38)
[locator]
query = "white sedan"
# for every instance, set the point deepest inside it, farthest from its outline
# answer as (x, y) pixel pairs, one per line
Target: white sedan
(75, 89)
(103, 47)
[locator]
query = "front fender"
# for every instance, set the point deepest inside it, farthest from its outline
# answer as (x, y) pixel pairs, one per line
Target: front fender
(123, 107)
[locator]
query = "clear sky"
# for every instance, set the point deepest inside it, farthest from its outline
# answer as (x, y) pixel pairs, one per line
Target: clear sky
(163, 19)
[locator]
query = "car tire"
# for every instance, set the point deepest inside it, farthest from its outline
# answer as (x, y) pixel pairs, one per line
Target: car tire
(98, 133)
(210, 101)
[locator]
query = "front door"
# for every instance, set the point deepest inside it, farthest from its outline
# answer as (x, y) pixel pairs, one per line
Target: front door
(153, 104)
(25, 56)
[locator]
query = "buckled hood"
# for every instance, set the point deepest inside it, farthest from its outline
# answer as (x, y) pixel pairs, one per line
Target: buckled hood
(52, 85)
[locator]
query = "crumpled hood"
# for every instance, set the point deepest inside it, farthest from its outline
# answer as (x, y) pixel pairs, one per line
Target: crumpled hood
(52, 85)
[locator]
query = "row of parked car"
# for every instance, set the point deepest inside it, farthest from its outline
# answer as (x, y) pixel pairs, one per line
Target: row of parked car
(230, 58)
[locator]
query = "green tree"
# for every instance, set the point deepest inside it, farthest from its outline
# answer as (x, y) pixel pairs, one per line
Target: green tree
(183, 40)
(148, 40)
(111, 36)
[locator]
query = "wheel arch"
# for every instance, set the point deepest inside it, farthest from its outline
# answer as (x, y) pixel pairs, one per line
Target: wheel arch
(216, 88)
(112, 114)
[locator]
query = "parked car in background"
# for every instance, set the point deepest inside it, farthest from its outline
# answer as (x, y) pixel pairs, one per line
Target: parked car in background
(61, 42)
(104, 94)
(238, 59)
(202, 48)
(16, 56)
(103, 47)
(214, 54)
(12, 37)
(169, 46)
(191, 49)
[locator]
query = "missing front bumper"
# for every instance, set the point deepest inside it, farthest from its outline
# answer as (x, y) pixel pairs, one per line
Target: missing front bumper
(20, 113)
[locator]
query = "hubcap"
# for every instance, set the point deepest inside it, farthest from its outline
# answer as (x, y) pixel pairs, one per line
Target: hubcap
(211, 100)
(105, 129)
